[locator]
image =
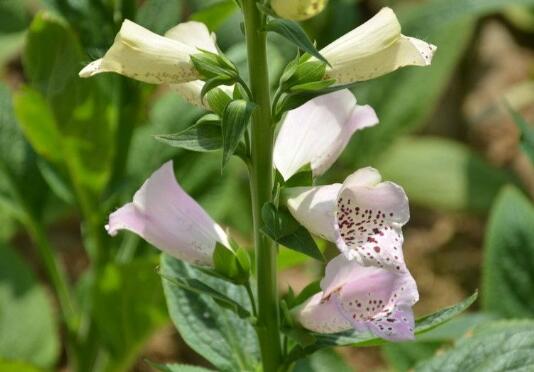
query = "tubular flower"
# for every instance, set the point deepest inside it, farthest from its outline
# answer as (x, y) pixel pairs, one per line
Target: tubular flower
(367, 299)
(143, 55)
(318, 131)
(363, 216)
(375, 48)
(165, 216)
(298, 10)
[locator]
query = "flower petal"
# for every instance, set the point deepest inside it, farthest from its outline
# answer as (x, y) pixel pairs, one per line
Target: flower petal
(368, 299)
(165, 216)
(376, 300)
(369, 220)
(194, 34)
(314, 208)
(143, 55)
(406, 51)
(321, 316)
(317, 132)
(373, 49)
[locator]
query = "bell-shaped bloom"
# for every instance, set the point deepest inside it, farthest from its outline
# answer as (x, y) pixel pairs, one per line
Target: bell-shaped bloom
(165, 216)
(318, 131)
(298, 10)
(375, 48)
(363, 216)
(365, 298)
(145, 56)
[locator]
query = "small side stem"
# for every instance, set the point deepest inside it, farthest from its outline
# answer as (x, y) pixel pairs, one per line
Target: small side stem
(261, 184)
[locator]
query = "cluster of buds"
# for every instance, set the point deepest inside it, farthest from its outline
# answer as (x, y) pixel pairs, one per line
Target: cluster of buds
(367, 287)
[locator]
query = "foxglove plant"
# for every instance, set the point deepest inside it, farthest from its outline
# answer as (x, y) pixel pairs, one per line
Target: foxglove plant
(367, 289)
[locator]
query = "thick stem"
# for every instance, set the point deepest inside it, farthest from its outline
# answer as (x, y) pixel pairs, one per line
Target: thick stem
(261, 183)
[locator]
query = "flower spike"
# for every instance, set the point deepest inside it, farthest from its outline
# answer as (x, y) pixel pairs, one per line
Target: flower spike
(165, 216)
(367, 299)
(317, 132)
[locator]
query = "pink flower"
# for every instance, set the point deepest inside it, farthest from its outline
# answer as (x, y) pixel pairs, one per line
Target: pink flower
(318, 131)
(165, 216)
(367, 299)
(363, 216)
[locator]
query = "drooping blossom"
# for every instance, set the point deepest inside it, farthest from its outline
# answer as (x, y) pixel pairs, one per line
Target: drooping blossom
(142, 55)
(363, 216)
(165, 216)
(375, 48)
(318, 131)
(365, 298)
(298, 10)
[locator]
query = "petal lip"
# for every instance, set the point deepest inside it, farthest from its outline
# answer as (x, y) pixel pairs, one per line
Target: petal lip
(369, 219)
(317, 132)
(165, 216)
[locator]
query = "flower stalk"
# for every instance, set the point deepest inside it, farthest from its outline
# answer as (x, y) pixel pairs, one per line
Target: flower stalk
(261, 183)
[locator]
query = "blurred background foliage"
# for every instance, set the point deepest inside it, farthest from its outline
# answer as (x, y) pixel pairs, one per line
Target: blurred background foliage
(457, 136)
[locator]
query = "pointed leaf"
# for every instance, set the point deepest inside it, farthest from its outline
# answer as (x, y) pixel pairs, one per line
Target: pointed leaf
(292, 31)
(234, 123)
(205, 135)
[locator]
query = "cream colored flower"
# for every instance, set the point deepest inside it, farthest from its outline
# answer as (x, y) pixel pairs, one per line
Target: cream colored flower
(298, 10)
(145, 56)
(373, 49)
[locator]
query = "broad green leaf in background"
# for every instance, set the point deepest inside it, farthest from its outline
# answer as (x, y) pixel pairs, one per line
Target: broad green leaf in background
(215, 14)
(217, 334)
(178, 368)
(128, 307)
(159, 15)
(234, 124)
(353, 338)
(497, 346)
(20, 181)
(14, 16)
(440, 173)
(326, 360)
(81, 108)
(508, 269)
(27, 321)
(403, 356)
(18, 367)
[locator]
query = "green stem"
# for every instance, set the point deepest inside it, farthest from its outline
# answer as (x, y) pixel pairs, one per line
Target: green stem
(261, 183)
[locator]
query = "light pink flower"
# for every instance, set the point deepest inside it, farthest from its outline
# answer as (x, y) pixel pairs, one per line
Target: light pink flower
(363, 216)
(165, 216)
(317, 132)
(367, 299)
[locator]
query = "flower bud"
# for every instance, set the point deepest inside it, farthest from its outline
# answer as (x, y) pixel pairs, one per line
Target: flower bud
(298, 10)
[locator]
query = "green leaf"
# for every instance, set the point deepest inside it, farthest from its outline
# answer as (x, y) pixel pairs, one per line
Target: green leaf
(234, 266)
(213, 66)
(128, 307)
(14, 16)
(215, 15)
(326, 360)
(461, 182)
(508, 270)
(527, 133)
(280, 226)
(292, 31)
(26, 311)
(353, 338)
(217, 100)
(178, 368)
(205, 135)
(18, 367)
(52, 59)
(234, 124)
(159, 15)
(215, 332)
(498, 346)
